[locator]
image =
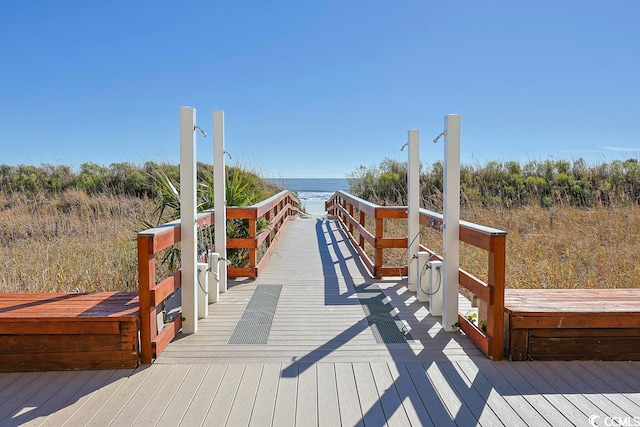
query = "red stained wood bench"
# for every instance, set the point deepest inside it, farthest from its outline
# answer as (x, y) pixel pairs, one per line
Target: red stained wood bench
(61, 331)
(572, 324)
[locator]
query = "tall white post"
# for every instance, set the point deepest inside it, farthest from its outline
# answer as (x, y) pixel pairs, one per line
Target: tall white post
(220, 195)
(188, 226)
(451, 212)
(413, 190)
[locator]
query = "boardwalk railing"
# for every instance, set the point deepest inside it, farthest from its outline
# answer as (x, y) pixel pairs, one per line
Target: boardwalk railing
(154, 337)
(353, 212)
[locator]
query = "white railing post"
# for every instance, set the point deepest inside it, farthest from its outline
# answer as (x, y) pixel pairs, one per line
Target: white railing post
(188, 226)
(220, 195)
(413, 213)
(451, 213)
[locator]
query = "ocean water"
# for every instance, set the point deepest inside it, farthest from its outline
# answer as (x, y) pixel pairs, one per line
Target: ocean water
(313, 192)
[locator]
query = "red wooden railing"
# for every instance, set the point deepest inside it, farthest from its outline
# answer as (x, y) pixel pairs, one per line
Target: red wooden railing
(352, 213)
(276, 211)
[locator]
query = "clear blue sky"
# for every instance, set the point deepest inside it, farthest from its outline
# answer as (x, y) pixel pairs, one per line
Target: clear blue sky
(317, 88)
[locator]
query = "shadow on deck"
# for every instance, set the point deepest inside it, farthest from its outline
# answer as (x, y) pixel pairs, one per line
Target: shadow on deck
(324, 364)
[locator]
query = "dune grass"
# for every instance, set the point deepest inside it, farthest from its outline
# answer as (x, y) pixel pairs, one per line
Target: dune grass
(560, 247)
(70, 242)
(75, 243)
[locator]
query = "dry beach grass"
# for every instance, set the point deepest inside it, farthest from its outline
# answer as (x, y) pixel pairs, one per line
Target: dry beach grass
(75, 242)
(560, 247)
(70, 242)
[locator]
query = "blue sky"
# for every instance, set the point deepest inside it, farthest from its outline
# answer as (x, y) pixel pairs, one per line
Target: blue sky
(317, 88)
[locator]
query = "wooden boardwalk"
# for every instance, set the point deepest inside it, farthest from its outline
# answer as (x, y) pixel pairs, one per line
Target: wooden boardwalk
(322, 365)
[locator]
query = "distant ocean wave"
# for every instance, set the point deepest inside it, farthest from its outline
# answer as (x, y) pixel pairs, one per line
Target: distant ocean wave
(313, 189)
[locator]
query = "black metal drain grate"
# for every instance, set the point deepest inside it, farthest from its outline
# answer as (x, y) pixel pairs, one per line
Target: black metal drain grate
(387, 328)
(255, 323)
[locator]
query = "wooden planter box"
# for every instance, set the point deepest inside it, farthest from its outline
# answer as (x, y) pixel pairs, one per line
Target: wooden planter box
(572, 324)
(61, 331)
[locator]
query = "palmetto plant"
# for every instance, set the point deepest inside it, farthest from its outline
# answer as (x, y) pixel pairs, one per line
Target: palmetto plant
(241, 190)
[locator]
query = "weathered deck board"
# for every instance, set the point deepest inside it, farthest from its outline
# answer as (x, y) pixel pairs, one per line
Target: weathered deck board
(221, 405)
(263, 408)
(307, 404)
(350, 411)
(240, 415)
(328, 402)
(203, 396)
(370, 402)
(389, 398)
(454, 405)
(507, 415)
(319, 316)
(286, 397)
(322, 366)
(174, 411)
(560, 402)
(164, 393)
(473, 400)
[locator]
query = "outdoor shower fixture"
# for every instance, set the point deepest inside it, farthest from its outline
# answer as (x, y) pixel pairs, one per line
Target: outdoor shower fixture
(413, 212)
(204, 134)
(196, 277)
(203, 290)
(429, 282)
(451, 224)
(451, 216)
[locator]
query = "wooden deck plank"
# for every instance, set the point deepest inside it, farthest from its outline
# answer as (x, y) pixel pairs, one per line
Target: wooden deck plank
(542, 405)
(493, 372)
(264, 406)
(328, 407)
(632, 368)
(473, 400)
(389, 397)
(457, 409)
(350, 411)
(223, 401)
(286, 398)
(619, 380)
(12, 382)
(584, 405)
(204, 395)
(368, 395)
(175, 409)
(96, 400)
(429, 396)
(606, 388)
(416, 412)
(307, 398)
(117, 402)
(508, 416)
(628, 376)
(21, 391)
(243, 404)
(47, 403)
(531, 373)
(155, 404)
(600, 404)
(139, 398)
(75, 394)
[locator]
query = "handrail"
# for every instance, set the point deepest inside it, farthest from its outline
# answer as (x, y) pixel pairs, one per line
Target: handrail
(276, 210)
(346, 207)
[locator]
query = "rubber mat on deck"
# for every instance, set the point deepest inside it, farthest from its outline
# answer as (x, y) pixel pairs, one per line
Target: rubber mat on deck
(255, 323)
(387, 328)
